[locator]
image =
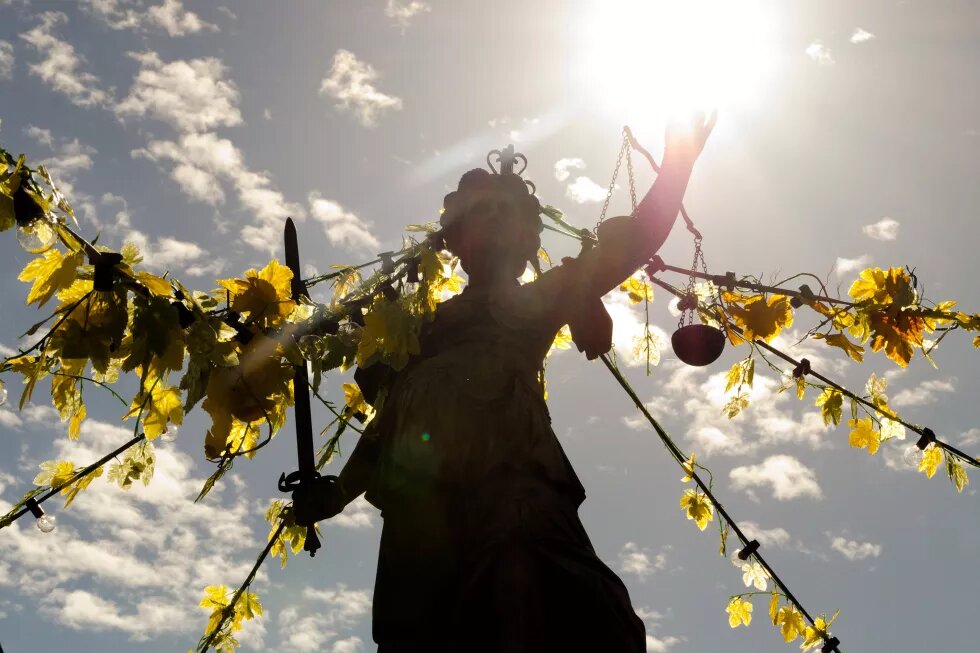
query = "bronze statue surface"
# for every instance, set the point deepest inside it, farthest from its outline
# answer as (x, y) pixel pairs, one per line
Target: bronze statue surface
(482, 549)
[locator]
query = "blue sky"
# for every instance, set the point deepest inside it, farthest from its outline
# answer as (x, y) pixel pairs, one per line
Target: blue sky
(848, 137)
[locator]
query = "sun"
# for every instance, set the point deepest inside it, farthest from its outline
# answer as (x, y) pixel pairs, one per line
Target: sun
(663, 57)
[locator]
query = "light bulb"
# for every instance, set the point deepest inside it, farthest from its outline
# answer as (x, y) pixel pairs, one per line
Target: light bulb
(170, 434)
(913, 456)
(3, 393)
(738, 562)
(46, 523)
(309, 347)
(36, 237)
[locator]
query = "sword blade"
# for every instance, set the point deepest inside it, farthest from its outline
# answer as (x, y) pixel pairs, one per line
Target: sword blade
(301, 388)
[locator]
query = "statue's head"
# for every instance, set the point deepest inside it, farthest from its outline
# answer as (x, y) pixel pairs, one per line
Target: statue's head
(492, 223)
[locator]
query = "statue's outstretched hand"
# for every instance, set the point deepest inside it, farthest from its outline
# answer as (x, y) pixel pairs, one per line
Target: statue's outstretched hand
(322, 499)
(685, 137)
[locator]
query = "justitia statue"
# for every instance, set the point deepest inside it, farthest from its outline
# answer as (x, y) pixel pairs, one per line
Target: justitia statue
(482, 550)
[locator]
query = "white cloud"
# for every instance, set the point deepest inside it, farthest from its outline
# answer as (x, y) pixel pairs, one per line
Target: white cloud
(319, 619)
(769, 537)
(341, 226)
(130, 14)
(661, 644)
(563, 167)
(819, 53)
(854, 550)
(192, 96)
(970, 437)
(59, 64)
(786, 476)
(351, 83)
(176, 20)
(861, 35)
(628, 323)
(131, 561)
(403, 11)
(845, 265)
(583, 190)
(358, 514)
(6, 60)
(924, 393)
(117, 14)
(218, 158)
(636, 561)
(884, 229)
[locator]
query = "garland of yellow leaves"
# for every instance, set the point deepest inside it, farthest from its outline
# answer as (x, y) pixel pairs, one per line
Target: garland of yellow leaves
(241, 341)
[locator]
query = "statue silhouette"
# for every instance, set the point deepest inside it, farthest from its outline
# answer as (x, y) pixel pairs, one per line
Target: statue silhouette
(482, 550)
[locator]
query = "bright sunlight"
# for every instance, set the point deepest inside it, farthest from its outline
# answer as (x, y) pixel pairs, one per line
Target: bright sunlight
(664, 57)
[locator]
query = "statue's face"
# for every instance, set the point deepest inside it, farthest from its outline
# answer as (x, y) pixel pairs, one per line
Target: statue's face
(494, 233)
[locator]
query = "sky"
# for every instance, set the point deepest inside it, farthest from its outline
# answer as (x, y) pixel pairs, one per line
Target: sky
(848, 136)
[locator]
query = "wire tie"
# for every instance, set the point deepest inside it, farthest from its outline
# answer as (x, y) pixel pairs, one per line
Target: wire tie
(802, 369)
(34, 507)
(928, 437)
(830, 645)
(748, 550)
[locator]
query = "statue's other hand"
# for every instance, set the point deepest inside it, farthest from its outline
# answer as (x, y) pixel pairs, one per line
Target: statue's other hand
(322, 499)
(686, 137)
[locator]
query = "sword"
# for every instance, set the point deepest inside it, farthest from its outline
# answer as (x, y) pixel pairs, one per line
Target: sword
(306, 474)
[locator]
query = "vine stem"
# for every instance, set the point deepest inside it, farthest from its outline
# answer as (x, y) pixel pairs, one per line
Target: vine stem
(830, 382)
(681, 458)
(230, 608)
(82, 473)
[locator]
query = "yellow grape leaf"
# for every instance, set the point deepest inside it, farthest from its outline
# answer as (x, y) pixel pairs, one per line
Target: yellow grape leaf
(864, 435)
(956, 473)
(698, 507)
(759, 317)
(976, 341)
(735, 405)
(814, 635)
(71, 491)
(162, 406)
(734, 376)
(156, 285)
(292, 537)
(841, 341)
(563, 339)
(877, 286)
(800, 386)
(637, 290)
(66, 396)
(773, 607)
(355, 400)
(932, 457)
(739, 612)
(898, 335)
(55, 472)
(790, 622)
(544, 256)
(390, 329)
(831, 403)
(688, 466)
(50, 273)
(216, 599)
(265, 295)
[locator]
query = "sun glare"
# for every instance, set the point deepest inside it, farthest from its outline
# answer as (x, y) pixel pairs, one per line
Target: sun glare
(664, 57)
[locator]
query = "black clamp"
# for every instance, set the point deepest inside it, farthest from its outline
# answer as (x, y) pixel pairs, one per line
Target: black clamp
(748, 550)
(105, 268)
(802, 369)
(927, 438)
(829, 645)
(806, 296)
(35, 508)
(412, 270)
(387, 262)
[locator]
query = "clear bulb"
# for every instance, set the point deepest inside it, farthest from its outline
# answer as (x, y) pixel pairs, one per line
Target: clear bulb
(46, 523)
(738, 562)
(309, 347)
(170, 434)
(37, 237)
(913, 456)
(3, 393)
